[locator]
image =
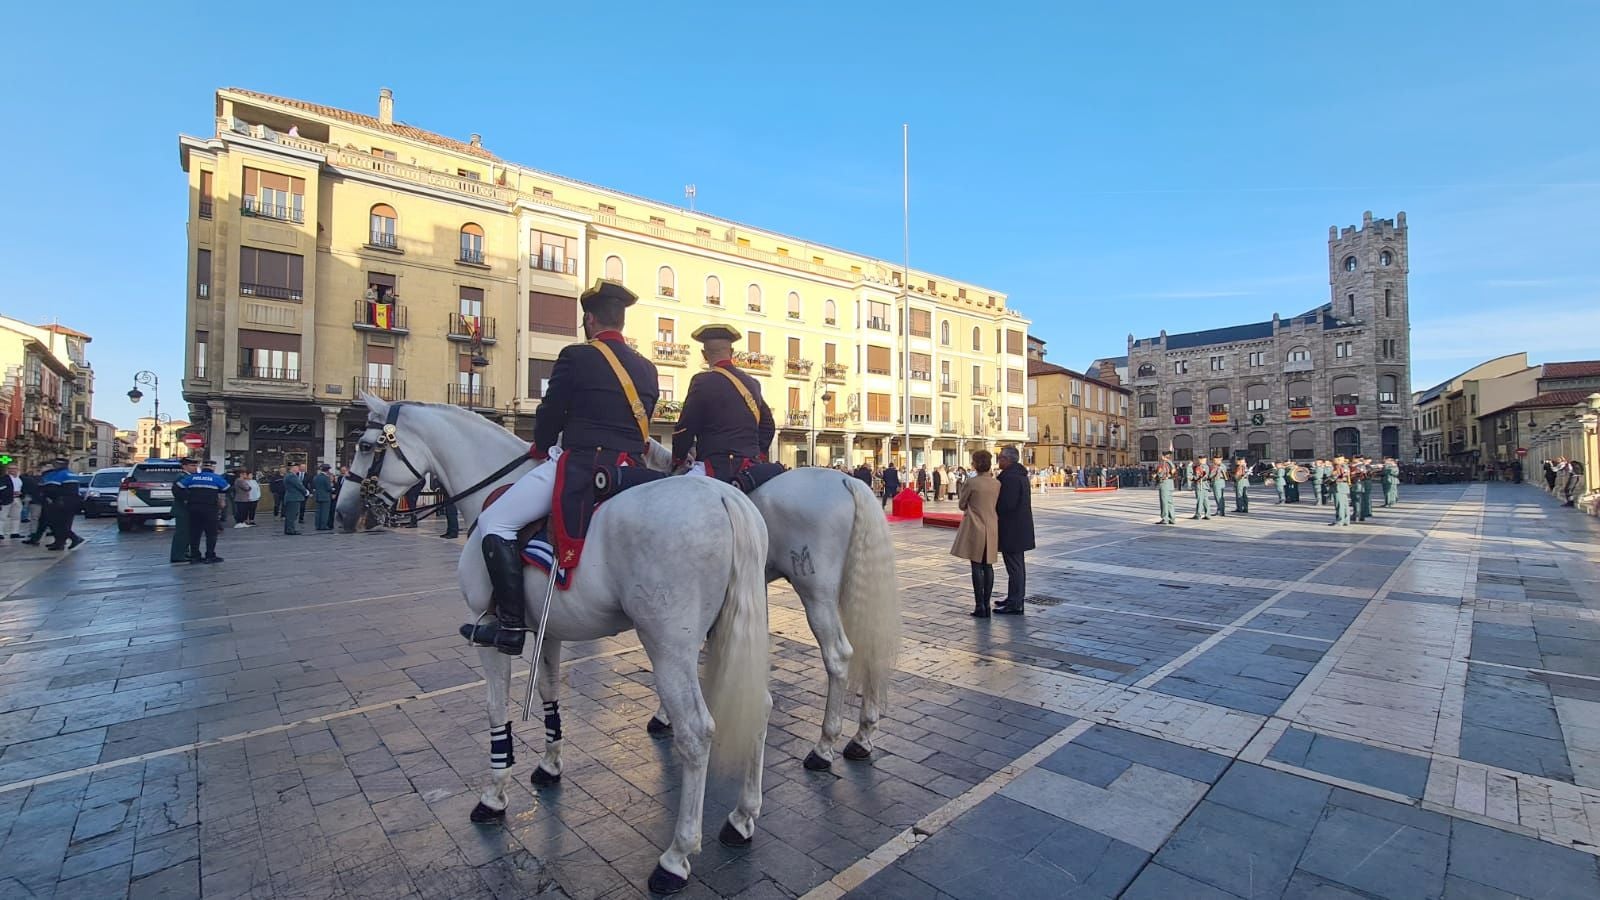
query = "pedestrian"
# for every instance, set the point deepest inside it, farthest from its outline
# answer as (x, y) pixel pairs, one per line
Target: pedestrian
(254, 498)
(205, 493)
(243, 509)
(276, 486)
(294, 500)
(863, 474)
(938, 483)
(11, 502)
(1574, 488)
(922, 482)
(227, 496)
(322, 490)
(978, 537)
(1549, 476)
(178, 550)
(1015, 513)
(891, 482)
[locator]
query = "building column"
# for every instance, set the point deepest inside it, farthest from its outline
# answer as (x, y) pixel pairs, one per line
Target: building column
(217, 436)
(849, 451)
(330, 434)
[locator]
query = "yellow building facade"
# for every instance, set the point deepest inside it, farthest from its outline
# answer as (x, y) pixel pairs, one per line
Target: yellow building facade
(1075, 419)
(332, 253)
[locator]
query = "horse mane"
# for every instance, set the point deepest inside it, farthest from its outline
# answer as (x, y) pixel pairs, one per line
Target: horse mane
(469, 418)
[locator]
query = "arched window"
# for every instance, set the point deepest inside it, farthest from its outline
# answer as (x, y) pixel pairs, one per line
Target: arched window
(1391, 441)
(1217, 401)
(944, 332)
(830, 312)
(1299, 396)
(1260, 445)
(1299, 354)
(1301, 444)
(1147, 406)
(1147, 370)
(1182, 447)
(383, 226)
(794, 305)
(1148, 450)
(1345, 390)
(752, 298)
(1385, 258)
(666, 282)
(713, 290)
(1349, 263)
(613, 269)
(1221, 444)
(472, 243)
(1257, 398)
(1346, 441)
(977, 338)
(1182, 406)
(1388, 389)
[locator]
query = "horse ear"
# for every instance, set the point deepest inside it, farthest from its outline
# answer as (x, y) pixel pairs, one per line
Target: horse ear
(377, 407)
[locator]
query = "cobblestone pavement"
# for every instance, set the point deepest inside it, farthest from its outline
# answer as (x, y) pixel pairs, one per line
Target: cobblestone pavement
(1258, 706)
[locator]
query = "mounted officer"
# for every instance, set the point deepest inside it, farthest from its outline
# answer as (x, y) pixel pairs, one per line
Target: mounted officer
(724, 421)
(594, 419)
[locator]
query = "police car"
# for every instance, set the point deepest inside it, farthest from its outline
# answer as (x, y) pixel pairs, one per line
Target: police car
(146, 493)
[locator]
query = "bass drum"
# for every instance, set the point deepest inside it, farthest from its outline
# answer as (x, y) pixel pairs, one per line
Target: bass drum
(1300, 474)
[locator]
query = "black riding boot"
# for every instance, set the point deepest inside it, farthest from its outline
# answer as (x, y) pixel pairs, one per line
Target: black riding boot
(980, 593)
(506, 631)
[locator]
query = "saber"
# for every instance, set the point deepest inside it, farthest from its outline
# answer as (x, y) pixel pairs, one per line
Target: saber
(538, 640)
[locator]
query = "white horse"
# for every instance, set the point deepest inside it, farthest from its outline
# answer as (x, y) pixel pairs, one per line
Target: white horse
(671, 587)
(827, 536)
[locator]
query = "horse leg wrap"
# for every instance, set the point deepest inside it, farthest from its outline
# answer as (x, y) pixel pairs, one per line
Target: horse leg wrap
(501, 754)
(552, 721)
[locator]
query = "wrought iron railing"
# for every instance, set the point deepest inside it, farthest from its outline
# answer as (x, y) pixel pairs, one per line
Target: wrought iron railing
(382, 388)
(480, 396)
(462, 328)
(375, 316)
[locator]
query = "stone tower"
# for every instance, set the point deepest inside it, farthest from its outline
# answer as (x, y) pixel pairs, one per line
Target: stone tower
(1367, 277)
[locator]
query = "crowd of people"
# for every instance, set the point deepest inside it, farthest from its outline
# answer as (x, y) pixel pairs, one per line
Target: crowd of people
(53, 492)
(1563, 477)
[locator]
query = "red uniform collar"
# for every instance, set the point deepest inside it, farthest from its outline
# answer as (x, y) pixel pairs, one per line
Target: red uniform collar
(610, 335)
(725, 363)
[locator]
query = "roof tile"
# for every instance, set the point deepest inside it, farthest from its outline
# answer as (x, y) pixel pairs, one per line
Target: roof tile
(365, 121)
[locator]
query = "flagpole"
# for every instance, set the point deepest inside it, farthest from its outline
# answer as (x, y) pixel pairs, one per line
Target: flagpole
(905, 284)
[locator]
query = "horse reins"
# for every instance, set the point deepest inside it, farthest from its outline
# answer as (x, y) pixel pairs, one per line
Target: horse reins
(389, 440)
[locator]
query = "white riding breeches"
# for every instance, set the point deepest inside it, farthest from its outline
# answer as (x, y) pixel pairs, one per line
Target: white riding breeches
(529, 499)
(698, 468)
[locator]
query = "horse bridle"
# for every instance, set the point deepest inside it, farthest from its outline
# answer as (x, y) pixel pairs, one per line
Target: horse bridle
(379, 500)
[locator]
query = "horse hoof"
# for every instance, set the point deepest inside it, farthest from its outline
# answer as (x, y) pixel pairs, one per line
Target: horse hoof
(729, 836)
(484, 815)
(658, 727)
(857, 752)
(541, 778)
(815, 763)
(664, 882)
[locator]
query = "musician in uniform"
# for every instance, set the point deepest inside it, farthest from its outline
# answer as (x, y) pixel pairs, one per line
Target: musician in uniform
(1164, 475)
(1317, 474)
(1280, 475)
(1391, 482)
(1361, 479)
(1202, 489)
(1241, 486)
(724, 421)
(595, 414)
(1291, 487)
(1341, 492)
(1219, 485)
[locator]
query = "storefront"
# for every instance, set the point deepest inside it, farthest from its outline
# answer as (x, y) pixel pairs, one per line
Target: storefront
(276, 444)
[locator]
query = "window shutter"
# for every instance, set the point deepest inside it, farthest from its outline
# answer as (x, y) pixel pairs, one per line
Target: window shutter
(753, 342)
(269, 340)
(472, 293)
(297, 273)
(380, 355)
(538, 371)
(252, 182)
(247, 265)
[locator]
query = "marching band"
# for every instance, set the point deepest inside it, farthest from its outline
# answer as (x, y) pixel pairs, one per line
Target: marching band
(1344, 483)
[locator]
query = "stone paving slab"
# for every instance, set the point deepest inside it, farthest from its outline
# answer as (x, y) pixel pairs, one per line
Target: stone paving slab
(1255, 706)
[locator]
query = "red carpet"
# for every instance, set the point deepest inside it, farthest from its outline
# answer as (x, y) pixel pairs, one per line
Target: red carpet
(941, 520)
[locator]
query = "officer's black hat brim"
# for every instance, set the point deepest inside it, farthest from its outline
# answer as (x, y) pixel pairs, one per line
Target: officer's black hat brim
(716, 332)
(608, 290)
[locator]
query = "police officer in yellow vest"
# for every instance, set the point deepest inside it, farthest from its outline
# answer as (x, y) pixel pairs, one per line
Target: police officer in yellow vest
(724, 421)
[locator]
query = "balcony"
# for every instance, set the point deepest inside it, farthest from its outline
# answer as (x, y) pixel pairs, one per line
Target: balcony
(948, 427)
(383, 240)
(878, 324)
(266, 373)
(797, 419)
(385, 317)
(668, 411)
(671, 353)
(949, 386)
(254, 208)
(921, 419)
(713, 299)
(753, 307)
(205, 209)
(471, 258)
(836, 420)
(835, 371)
(830, 320)
(918, 375)
(560, 265)
(980, 390)
(270, 291)
(478, 396)
(794, 316)
(390, 389)
(1298, 365)
(797, 367)
(754, 362)
(467, 328)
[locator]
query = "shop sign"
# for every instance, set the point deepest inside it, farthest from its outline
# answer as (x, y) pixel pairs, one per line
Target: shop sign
(281, 429)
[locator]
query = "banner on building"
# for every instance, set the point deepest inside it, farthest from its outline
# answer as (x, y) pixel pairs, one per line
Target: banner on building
(1344, 409)
(1299, 412)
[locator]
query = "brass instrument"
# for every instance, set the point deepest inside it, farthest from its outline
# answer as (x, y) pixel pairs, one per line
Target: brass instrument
(1300, 474)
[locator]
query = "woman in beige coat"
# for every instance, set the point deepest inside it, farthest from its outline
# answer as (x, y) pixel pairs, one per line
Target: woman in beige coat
(978, 538)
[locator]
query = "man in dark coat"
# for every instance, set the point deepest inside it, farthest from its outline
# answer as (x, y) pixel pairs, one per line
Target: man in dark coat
(891, 482)
(863, 474)
(1015, 508)
(724, 421)
(322, 492)
(595, 415)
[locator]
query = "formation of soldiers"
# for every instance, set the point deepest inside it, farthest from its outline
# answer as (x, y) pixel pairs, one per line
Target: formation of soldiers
(1346, 484)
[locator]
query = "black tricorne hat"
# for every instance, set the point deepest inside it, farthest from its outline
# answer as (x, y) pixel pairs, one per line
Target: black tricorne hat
(608, 290)
(716, 331)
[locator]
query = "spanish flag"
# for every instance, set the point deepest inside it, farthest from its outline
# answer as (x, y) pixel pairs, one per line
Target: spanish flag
(470, 323)
(380, 314)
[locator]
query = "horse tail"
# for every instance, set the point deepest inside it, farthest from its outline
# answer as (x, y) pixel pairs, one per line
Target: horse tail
(869, 599)
(738, 663)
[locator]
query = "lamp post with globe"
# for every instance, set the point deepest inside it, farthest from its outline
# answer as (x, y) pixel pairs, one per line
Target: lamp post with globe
(145, 376)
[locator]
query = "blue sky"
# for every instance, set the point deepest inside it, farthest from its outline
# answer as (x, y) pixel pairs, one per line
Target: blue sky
(1113, 168)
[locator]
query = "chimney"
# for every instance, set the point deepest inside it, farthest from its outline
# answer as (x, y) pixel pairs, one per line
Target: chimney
(1108, 372)
(386, 106)
(476, 140)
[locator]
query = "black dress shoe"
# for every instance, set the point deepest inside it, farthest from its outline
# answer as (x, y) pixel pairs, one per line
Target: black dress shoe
(73, 544)
(979, 613)
(1004, 610)
(450, 534)
(213, 559)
